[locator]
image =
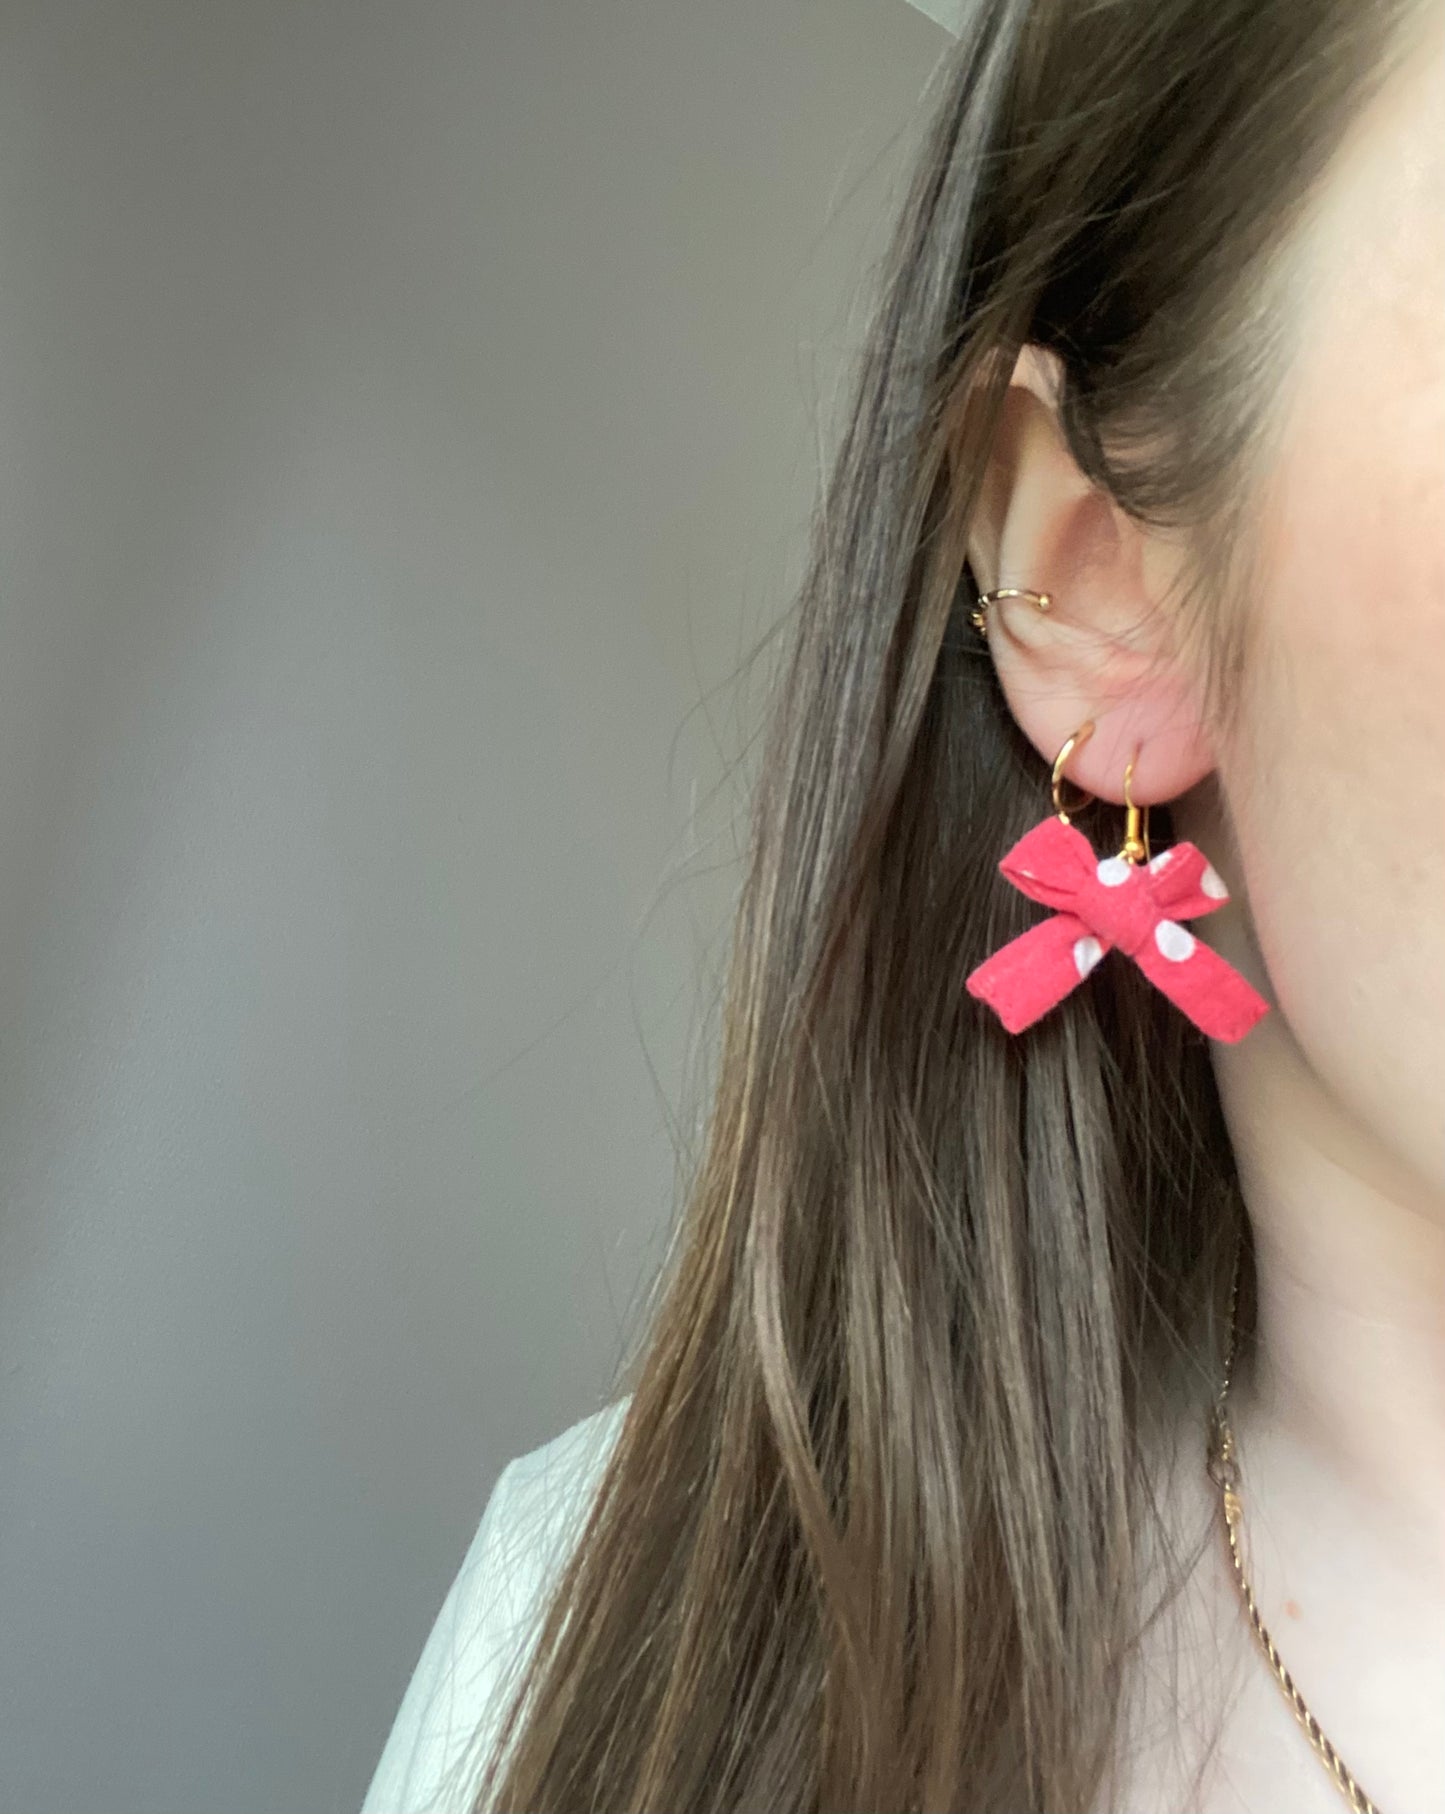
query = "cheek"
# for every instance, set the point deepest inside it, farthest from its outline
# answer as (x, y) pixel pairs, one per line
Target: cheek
(1338, 789)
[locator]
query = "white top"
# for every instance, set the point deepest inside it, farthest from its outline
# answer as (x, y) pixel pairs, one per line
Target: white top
(485, 1629)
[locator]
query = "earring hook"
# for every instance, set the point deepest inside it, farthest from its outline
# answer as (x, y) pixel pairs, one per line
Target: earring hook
(1136, 824)
(1136, 827)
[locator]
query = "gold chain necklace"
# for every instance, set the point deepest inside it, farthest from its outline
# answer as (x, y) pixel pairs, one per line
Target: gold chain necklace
(1223, 1470)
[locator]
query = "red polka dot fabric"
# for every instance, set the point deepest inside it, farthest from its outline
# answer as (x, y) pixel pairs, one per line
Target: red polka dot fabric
(1104, 903)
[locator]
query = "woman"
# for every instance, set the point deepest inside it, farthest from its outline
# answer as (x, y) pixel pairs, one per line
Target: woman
(922, 1495)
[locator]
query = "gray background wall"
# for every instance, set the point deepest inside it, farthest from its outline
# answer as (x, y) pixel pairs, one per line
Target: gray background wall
(408, 417)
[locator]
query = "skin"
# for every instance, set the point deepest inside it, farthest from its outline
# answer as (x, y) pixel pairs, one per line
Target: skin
(1324, 811)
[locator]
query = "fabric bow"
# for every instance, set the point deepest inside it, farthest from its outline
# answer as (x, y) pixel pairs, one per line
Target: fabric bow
(1105, 902)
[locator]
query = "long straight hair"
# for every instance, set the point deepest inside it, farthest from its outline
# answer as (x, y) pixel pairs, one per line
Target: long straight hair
(873, 1535)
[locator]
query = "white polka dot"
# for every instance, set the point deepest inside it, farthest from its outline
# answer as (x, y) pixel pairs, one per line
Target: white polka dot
(1114, 870)
(1087, 952)
(1213, 884)
(1157, 863)
(1173, 940)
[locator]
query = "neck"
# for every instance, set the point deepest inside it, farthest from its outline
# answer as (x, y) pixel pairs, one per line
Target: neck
(1349, 1371)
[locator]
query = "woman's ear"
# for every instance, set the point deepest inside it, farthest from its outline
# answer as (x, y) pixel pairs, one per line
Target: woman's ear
(1108, 648)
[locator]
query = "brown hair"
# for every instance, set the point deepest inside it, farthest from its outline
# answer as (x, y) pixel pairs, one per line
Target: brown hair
(873, 1535)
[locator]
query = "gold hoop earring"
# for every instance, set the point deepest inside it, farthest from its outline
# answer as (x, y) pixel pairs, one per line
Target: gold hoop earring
(979, 615)
(1082, 735)
(1135, 848)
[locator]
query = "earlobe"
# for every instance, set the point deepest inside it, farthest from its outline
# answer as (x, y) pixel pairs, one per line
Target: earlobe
(1105, 648)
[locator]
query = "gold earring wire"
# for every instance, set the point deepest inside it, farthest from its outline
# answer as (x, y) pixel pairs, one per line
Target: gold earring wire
(1082, 735)
(1136, 827)
(979, 614)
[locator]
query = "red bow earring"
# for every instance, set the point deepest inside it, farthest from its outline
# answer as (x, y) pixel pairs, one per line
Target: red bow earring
(1130, 900)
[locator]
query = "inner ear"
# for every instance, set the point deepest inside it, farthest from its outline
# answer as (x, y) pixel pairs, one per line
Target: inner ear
(1107, 648)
